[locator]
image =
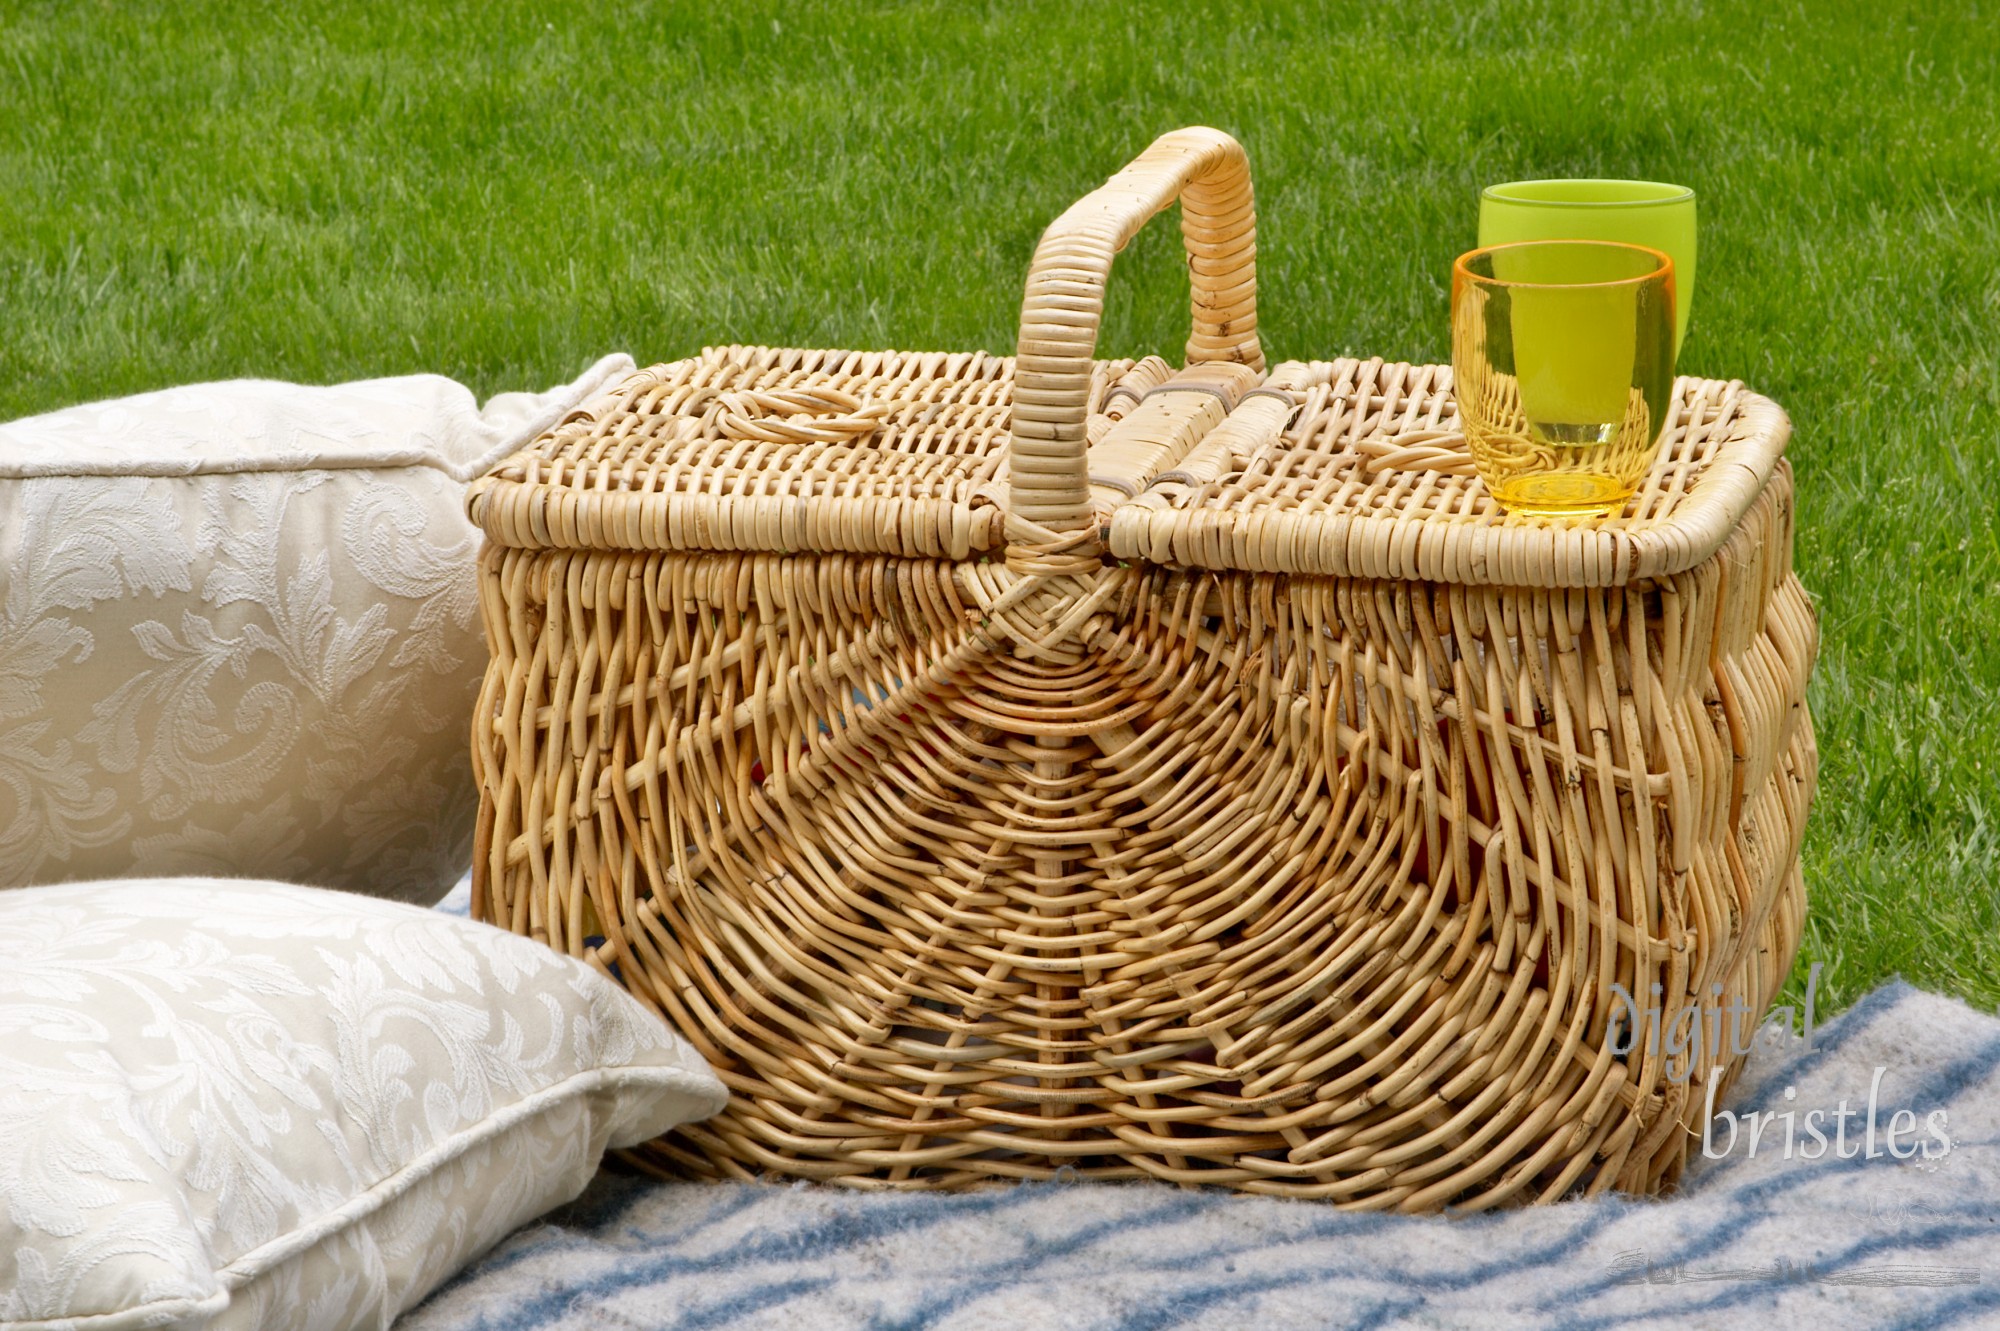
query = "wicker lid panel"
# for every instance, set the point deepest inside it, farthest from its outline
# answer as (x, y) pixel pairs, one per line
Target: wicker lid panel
(766, 448)
(1362, 472)
(1343, 468)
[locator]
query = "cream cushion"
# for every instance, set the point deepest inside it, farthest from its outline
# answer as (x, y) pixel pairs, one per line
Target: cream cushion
(238, 630)
(236, 1104)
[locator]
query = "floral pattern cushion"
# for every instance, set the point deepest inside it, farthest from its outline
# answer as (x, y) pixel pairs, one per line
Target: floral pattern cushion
(229, 1104)
(238, 630)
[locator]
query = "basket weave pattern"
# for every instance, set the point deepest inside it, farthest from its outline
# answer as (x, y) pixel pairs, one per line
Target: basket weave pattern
(998, 765)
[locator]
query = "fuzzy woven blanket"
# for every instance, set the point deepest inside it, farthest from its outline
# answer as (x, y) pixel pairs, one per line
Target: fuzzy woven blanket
(1826, 1235)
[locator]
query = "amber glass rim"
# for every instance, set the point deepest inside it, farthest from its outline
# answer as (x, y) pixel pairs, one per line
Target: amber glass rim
(1666, 265)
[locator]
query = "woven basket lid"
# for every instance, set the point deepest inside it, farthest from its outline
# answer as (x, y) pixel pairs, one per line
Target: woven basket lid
(1062, 461)
(1343, 468)
(789, 450)
(1353, 468)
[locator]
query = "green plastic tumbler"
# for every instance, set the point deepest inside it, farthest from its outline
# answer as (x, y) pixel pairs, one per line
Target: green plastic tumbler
(1633, 212)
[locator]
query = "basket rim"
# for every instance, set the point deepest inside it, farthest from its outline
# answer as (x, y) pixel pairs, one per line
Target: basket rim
(1157, 526)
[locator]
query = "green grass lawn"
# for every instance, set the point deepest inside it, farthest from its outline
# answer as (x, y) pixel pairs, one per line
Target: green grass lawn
(503, 191)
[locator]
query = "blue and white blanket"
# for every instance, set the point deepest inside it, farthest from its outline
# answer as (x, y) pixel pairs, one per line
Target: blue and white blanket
(1753, 1239)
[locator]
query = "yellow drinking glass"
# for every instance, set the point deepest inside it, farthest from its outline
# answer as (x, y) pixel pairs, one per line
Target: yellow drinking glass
(1631, 212)
(1562, 357)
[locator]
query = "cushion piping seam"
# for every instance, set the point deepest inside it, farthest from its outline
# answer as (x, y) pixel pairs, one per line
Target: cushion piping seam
(246, 1267)
(254, 1263)
(160, 471)
(384, 460)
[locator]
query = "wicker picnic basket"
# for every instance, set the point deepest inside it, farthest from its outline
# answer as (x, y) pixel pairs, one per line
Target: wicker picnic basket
(998, 767)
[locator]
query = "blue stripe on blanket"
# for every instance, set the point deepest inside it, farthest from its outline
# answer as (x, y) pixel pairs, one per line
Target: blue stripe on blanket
(1752, 1239)
(458, 901)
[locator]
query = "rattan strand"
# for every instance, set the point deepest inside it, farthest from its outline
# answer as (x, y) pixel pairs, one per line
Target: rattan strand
(1292, 842)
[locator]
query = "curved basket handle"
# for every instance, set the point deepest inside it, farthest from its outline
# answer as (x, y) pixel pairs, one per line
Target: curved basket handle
(1048, 471)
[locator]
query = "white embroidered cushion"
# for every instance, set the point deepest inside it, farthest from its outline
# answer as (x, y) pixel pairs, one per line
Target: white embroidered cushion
(229, 1104)
(238, 630)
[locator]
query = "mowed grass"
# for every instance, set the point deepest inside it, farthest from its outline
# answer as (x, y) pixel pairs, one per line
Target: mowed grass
(501, 192)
